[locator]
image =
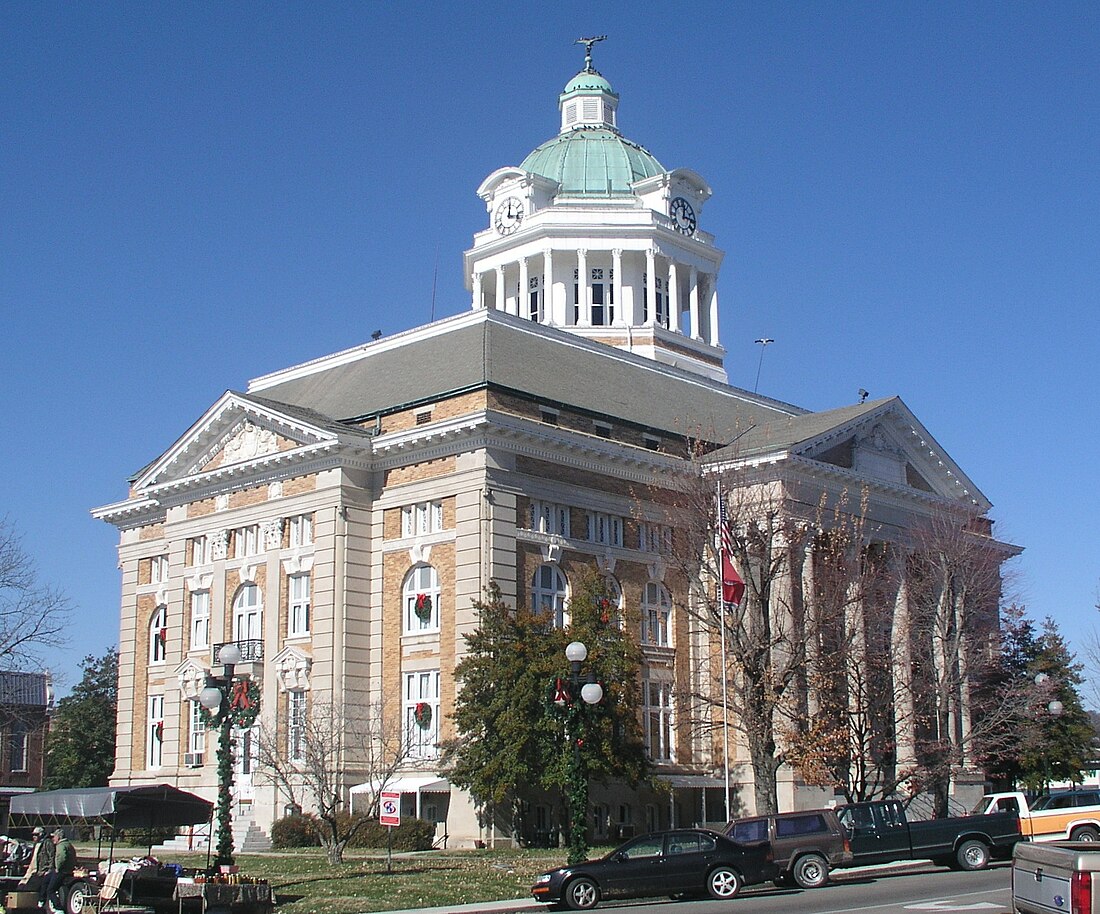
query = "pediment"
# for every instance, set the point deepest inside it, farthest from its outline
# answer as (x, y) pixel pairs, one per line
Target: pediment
(889, 446)
(234, 433)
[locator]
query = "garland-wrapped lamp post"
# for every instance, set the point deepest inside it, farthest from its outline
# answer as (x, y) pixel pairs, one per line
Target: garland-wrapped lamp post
(230, 702)
(591, 693)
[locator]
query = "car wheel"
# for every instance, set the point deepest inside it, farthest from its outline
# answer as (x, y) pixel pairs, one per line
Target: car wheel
(1085, 833)
(582, 894)
(972, 855)
(79, 898)
(810, 871)
(724, 882)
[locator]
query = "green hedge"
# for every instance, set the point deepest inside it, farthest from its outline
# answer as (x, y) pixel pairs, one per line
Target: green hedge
(305, 831)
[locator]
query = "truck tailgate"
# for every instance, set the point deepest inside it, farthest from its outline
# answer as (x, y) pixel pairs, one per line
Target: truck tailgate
(1043, 879)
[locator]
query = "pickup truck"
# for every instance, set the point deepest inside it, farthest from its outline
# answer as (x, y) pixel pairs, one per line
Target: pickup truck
(879, 832)
(1068, 816)
(1056, 878)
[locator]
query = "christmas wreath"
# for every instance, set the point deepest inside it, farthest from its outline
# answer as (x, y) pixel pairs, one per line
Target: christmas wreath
(423, 607)
(603, 605)
(243, 705)
(422, 714)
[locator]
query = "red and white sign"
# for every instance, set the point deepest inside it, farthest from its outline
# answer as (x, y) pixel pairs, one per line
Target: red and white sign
(389, 808)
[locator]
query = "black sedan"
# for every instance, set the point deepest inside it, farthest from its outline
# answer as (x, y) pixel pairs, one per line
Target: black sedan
(686, 861)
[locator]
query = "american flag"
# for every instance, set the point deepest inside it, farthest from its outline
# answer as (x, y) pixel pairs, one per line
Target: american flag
(733, 587)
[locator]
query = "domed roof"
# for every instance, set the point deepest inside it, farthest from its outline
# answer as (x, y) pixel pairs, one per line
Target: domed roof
(592, 163)
(587, 80)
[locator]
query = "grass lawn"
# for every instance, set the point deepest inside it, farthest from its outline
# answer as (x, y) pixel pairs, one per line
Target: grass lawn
(306, 884)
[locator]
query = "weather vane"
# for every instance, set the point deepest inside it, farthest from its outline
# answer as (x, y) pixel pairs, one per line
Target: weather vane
(588, 42)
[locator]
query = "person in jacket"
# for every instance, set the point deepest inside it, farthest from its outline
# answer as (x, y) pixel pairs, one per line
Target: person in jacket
(40, 865)
(64, 863)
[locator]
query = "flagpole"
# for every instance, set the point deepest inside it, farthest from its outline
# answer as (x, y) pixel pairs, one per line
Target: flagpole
(725, 677)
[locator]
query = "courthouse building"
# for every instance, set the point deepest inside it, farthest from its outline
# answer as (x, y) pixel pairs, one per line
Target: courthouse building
(519, 442)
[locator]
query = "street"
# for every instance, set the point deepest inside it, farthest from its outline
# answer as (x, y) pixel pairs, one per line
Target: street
(924, 890)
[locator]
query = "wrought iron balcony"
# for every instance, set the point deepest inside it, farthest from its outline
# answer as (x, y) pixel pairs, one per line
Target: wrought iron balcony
(251, 651)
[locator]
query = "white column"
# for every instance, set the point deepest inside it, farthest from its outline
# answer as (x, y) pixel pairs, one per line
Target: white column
(713, 310)
(693, 303)
(500, 302)
(617, 286)
(584, 290)
(673, 291)
(524, 295)
(479, 300)
(651, 286)
(549, 295)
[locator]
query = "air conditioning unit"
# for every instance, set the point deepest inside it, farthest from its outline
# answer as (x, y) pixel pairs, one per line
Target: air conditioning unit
(192, 759)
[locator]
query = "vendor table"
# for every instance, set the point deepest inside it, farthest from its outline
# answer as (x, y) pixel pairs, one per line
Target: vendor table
(240, 899)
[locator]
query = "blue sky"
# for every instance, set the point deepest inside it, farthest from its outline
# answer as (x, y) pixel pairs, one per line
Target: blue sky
(195, 194)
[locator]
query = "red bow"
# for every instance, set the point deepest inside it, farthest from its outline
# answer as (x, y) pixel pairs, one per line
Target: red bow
(240, 699)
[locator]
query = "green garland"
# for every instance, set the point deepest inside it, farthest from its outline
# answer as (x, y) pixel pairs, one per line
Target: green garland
(242, 706)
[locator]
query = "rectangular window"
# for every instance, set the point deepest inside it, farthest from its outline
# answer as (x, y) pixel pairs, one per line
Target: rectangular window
(549, 518)
(534, 300)
(657, 714)
(662, 311)
(17, 746)
(200, 619)
(549, 416)
(154, 745)
(246, 541)
(299, 604)
(604, 528)
(158, 569)
(655, 538)
(425, 517)
(296, 725)
(301, 530)
(424, 418)
(196, 740)
(200, 550)
(421, 705)
(655, 626)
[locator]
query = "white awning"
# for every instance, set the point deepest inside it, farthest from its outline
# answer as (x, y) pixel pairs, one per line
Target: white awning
(692, 780)
(421, 783)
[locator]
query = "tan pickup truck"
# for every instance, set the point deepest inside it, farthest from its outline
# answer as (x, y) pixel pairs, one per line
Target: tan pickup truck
(1062, 877)
(1069, 815)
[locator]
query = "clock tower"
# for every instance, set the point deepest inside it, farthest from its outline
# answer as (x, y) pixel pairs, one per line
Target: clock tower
(592, 235)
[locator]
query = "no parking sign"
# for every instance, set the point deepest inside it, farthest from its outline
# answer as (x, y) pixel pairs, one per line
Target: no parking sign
(389, 808)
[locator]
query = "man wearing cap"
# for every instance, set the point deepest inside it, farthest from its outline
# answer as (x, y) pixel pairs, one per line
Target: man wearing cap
(40, 864)
(63, 865)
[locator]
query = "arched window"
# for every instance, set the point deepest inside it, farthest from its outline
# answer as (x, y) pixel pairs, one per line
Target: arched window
(614, 593)
(158, 636)
(548, 594)
(420, 597)
(656, 605)
(248, 614)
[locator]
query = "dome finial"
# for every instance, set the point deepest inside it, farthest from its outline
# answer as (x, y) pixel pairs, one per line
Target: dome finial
(588, 42)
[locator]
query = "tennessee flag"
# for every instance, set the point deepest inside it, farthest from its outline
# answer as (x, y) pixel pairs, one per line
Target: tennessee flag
(733, 587)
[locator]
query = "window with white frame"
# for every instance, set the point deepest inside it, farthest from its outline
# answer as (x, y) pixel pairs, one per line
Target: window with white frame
(546, 517)
(534, 298)
(154, 744)
(421, 706)
(301, 530)
(158, 569)
(296, 725)
(656, 606)
(548, 594)
(657, 716)
(200, 550)
(158, 636)
(662, 301)
(421, 518)
(196, 733)
(604, 528)
(298, 623)
(248, 614)
(246, 541)
(655, 538)
(200, 619)
(17, 746)
(603, 296)
(420, 596)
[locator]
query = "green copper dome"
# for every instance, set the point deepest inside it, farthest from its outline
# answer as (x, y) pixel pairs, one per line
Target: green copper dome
(588, 80)
(592, 163)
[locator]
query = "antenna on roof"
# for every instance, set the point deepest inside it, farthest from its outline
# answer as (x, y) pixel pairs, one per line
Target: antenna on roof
(763, 342)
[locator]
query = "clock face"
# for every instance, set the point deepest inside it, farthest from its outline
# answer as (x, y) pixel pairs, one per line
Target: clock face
(682, 215)
(508, 215)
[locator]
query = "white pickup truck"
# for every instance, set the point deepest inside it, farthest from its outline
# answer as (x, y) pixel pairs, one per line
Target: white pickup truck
(1056, 878)
(1072, 815)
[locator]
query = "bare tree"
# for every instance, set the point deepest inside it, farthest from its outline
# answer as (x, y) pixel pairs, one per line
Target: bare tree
(33, 615)
(309, 764)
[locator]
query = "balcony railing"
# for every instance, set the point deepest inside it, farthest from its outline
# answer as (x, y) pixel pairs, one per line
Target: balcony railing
(251, 651)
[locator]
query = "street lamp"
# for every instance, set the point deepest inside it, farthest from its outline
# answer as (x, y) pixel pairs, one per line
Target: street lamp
(591, 693)
(1055, 709)
(220, 700)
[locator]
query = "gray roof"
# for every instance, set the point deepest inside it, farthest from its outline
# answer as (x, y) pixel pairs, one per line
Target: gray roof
(28, 689)
(513, 354)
